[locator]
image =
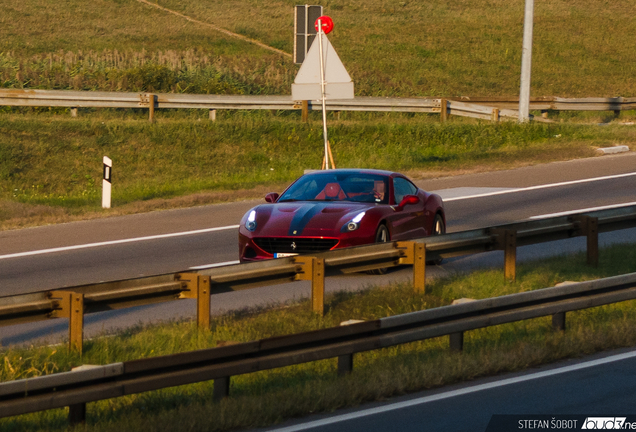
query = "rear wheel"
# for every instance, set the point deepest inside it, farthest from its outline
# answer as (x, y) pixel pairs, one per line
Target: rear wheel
(381, 236)
(439, 228)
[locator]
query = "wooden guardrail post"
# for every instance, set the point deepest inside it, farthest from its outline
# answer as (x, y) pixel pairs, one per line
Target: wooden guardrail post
(221, 388)
(495, 114)
(506, 240)
(198, 287)
(305, 111)
(345, 364)
(558, 321)
(457, 341)
(71, 305)
(77, 414)
(443, 110)
(415, 254)
(151, 107)
(589, 228)
(313, 269)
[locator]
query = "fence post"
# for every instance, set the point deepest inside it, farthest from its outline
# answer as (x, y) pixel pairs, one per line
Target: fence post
(558, 321)
(77, 414)
(457, 341)
(151, 106)
(221, 388)
(415, 254)
(506, 240)
(197, 287)
(345, 364)
(313, 269)
(589, 228)
(443, 110)
(71, 305)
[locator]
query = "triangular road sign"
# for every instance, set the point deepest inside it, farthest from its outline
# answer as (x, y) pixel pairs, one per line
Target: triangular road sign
(307, 85)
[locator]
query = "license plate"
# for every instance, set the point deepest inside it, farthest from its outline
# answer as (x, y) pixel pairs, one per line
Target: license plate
(283, 255)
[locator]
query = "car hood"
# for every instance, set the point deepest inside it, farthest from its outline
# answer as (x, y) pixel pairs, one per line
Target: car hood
(307, 219)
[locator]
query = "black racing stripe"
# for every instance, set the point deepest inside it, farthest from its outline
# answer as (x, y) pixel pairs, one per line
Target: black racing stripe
(303, 216)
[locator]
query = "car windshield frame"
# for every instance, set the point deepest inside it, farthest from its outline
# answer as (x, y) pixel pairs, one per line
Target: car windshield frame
(334, 186)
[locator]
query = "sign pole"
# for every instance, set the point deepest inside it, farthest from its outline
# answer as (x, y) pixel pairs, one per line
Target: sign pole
(526, 63)
(322, 86)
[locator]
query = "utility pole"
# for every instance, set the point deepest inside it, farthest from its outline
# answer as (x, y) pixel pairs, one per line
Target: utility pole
(526, 63)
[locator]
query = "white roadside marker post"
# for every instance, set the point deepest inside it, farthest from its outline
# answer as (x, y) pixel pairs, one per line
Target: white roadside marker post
(106, 183)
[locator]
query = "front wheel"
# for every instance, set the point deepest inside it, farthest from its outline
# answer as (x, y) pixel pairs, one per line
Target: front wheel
(381, 236)
(439, 228)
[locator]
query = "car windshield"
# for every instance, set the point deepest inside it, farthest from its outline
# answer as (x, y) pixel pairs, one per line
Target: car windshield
(334, 186)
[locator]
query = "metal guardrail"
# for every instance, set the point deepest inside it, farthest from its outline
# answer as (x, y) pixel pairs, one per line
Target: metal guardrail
(74, 302)
(75, 389)
(487, 108)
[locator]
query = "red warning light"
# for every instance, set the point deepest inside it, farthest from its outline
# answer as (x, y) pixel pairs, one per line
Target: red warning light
(327, 24)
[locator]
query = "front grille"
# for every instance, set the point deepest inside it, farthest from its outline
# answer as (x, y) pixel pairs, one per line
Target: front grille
(286, 244)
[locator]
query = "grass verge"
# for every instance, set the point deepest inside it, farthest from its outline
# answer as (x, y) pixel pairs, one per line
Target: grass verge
(268, 397)
(51, 164)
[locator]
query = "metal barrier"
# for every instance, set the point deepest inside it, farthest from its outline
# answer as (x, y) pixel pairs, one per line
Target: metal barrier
(492, 108)
(75, 389)
(74, 302)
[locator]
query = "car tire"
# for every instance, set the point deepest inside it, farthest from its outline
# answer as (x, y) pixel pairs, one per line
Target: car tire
(439, 228)
(382, 235)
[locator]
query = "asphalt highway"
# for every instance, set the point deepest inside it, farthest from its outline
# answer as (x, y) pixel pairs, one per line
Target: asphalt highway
(115, 248)
(567, 392)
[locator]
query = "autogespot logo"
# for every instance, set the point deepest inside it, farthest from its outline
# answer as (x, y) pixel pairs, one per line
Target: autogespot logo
(605, 423)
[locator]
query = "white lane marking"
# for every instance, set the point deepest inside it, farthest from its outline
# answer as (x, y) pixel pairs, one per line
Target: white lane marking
(221, 264)
(545, 186)
(453, 393)
(585, 210)
(114, 242)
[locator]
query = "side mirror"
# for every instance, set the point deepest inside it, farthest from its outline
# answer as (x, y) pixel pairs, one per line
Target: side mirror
(271, 197)
(408, 199)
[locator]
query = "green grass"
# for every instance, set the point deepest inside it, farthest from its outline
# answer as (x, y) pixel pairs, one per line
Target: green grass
(51, 160)
(268, 397)
(408, 48)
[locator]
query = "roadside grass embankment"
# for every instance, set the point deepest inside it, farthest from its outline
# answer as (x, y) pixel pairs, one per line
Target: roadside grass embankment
(407, 48)
(51, 164)
(268, 397)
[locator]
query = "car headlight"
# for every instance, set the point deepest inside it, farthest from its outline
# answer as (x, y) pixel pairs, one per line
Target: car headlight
(250, 224)
(354, 223)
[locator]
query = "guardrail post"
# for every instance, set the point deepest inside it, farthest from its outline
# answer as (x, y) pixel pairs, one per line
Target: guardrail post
(212, 115)
(495, 114)
(305, 111)
(589, 228)
(313, 269)
(221, 388)
(415, 254)
(443, 110)
(74, 112)
(77, 414)
(345, 364)
(151, 106)
(457, 341)
(507, 241)
(198, 287)
(558, 321)
(71, 305)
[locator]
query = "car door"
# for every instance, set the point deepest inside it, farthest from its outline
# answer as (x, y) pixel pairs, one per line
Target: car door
(409, 222)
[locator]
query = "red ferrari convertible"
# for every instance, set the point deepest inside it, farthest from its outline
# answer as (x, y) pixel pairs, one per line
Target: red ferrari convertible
(331, 209)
